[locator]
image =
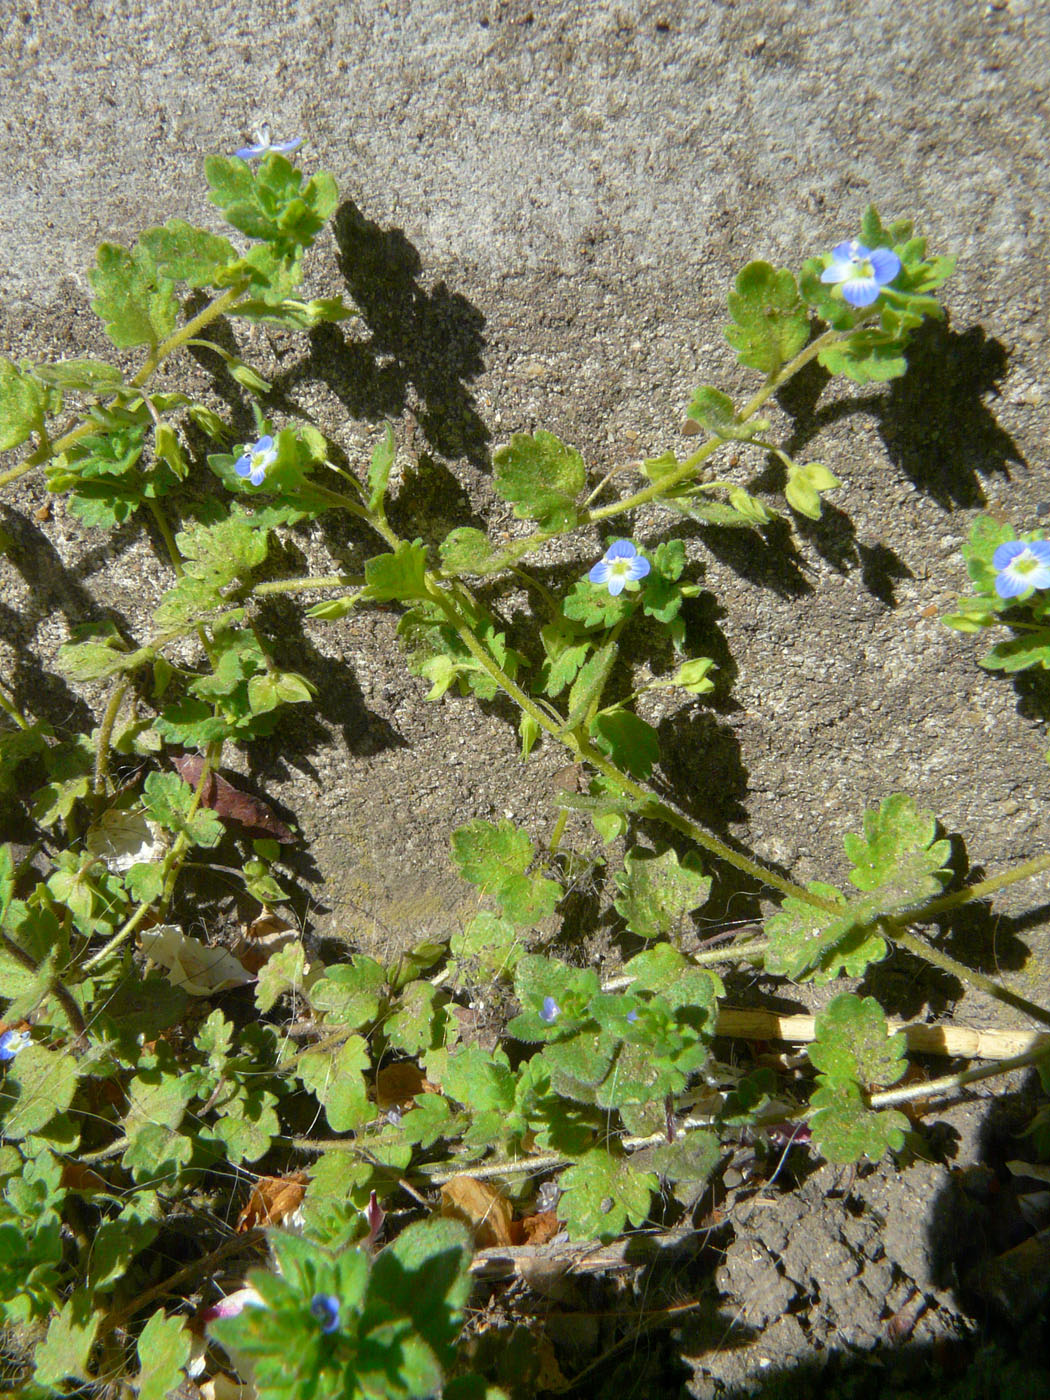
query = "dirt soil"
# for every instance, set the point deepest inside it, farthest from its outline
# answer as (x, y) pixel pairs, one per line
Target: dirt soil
(543, 207)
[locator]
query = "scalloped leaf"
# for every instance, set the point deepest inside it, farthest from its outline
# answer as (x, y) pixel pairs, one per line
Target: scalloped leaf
(496, 859)
(771, 323)
(541, 477)
(845, 1129)
(657, 891)
(811, 943)
(601, 1193)
(853, 1042)
(899, 854)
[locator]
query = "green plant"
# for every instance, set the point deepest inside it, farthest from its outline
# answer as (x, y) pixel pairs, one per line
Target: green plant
(117, 1105)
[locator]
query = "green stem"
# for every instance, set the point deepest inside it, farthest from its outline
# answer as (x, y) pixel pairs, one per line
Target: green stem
(950, 1082)
(303, 585)
(105, 733)
(52, 987)
(48, 448)
(947, 902)
(161, 521)
(11, 709)
(173, 862)
(921, 949)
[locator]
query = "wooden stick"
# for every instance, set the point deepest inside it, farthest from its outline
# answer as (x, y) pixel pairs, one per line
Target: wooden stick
(963, 1042)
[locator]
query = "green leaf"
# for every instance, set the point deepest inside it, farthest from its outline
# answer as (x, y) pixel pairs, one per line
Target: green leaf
(853, 1043)
(248, 1126)
(191, 723)
(868, 357)
(188, 602)
(899, 854)
(566, 653)
(225, 550)
(421, 1277)
(168, 800)
(116, 1242)
(1020, 654)
(64, 1352)
(542, 478)
(163, 1349)
(714, 411)
(418, 1022)
(19, 746)
(428, 1121)
(692, 676)
(379, 469)
(479, 1079)
(845, 1129)
(600, 1193)
(187, 254)
(349, 994)
(137, 305)
(270, 202)
(493, 943)
(44, 1082)
(496, 858)
(81, 376)
(630, 742)
(572, 988)
(808, 942)
(658, 891)
(336, 1078)
(282, 972)
(804, 486)
(771, 322)
(595, 606)
(296, 315)
(23, 405)
(92, 661)
(466, 551)
(400, 576)
(690, 1160)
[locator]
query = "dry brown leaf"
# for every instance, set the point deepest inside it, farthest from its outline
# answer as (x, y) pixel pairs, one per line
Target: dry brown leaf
(77, 1177)
(480, 1206)
(267, 926)
(273, 1199)
(230, 804)
(540, 1228)
(263, 937)
(398, 1084)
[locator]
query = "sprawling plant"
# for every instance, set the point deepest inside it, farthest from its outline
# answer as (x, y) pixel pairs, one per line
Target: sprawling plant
(123, 1104)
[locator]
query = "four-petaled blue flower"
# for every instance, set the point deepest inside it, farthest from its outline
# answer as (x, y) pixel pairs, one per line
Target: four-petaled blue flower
(263, 145)
(863, 272)
(13, 1041)
(621, 565)
(325, 1307)
(632, 1015)
(255, 460)
(550, 1010)
(1020, 566)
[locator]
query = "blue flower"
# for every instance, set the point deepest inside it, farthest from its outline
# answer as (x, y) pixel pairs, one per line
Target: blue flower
(11, 1042)
(263, 145)
(1021, 566)
(550, 1011)
(621, 565)
(325, 1307)
(863, 272)
(255, 460)
(632, 1015)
